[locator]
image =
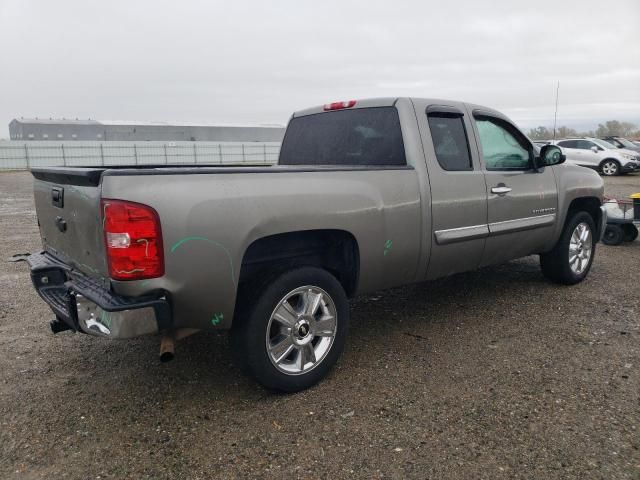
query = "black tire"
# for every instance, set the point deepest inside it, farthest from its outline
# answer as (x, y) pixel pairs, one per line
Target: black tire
(630, 232)
(555, 263)
(613, 235)
(249, 331)
(610, 167)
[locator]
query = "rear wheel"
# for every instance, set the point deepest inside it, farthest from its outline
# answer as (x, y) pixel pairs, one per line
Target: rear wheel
(613, 235)
(610, 168)
(570, 259)
(290, 336)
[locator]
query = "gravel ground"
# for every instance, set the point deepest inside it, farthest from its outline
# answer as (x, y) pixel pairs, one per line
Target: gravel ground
(490, 374)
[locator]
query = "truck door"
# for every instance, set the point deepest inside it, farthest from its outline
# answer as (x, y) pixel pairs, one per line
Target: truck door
(458, 190)
(522, 201)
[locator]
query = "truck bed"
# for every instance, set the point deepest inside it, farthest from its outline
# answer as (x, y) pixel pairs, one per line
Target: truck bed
(211, 215)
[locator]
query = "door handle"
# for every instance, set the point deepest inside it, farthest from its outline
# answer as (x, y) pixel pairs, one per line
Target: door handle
(500, 190)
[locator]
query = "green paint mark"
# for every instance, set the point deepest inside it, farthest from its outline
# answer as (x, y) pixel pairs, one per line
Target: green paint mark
(387, 246)
(217, 318)
(184, 240)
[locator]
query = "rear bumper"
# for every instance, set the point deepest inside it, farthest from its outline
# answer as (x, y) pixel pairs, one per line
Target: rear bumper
(84, 304)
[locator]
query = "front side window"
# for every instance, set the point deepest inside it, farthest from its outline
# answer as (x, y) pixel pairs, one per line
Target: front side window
(585, 145)
(450, 141)
(364, 136)
(502, 146)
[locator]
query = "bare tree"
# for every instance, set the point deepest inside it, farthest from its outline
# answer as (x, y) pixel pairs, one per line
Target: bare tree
(616, 129)
(540, 133)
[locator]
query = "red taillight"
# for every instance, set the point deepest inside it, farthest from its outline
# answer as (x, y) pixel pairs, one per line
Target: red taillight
(339, 105)
(133, 240)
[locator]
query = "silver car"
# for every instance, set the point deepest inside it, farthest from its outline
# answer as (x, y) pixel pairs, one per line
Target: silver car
(599, 155)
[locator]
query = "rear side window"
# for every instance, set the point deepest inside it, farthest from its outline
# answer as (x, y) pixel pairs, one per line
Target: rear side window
(366, 136)
(450, 141)
(568, 144)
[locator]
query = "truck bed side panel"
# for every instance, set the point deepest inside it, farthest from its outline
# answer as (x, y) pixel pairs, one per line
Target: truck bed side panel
(209, 220)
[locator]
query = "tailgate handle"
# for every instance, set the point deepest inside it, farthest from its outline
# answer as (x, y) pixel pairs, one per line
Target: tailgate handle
(57, 197)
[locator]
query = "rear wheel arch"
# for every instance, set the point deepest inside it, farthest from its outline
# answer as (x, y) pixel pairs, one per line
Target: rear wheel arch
(336, 251)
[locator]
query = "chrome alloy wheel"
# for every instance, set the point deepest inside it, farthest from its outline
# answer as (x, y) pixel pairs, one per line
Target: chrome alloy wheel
(301, 330)
(580, 248)
(610, 168)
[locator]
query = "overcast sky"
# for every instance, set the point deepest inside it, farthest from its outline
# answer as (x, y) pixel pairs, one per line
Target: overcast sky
(256, 62)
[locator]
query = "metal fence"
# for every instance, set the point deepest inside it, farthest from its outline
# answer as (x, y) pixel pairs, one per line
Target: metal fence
(23, 155)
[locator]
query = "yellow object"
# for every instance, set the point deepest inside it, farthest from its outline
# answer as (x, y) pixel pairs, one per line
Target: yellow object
(635, 196)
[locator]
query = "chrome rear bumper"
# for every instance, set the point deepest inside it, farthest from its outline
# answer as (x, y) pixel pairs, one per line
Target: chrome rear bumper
(84, 304)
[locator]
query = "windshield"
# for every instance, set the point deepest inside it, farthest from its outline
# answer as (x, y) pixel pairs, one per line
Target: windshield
(603, 143)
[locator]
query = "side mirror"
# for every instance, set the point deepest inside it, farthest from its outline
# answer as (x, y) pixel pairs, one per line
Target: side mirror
(551, 155)
(595, 149)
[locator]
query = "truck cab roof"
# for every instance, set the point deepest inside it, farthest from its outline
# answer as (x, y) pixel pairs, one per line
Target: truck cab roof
(391, 101)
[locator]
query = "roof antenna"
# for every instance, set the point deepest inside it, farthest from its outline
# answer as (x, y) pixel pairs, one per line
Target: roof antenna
(555, 115)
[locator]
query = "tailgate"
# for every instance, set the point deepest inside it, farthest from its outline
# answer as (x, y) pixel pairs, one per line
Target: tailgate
(68, 209)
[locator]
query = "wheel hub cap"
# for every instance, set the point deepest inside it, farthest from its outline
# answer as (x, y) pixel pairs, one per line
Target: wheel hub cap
(301, 330)
(580, 248)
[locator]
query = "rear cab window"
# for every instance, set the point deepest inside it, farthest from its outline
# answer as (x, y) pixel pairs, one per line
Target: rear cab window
(363, 137)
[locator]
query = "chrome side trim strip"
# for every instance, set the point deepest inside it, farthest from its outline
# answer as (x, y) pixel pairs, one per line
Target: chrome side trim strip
(461, 234)
(453, 235)
(520, 224)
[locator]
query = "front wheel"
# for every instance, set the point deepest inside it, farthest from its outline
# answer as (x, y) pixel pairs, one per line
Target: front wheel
(290, 336)
(570, 259)
(610, 168)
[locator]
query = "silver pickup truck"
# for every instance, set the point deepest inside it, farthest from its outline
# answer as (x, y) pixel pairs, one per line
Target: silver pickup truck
(367, 195)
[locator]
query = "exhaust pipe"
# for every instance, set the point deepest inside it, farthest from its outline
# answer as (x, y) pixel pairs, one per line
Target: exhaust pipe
(167, 348)
(168, 342)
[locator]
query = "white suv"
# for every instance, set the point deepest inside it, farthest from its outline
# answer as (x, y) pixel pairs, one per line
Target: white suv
(600, 155)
